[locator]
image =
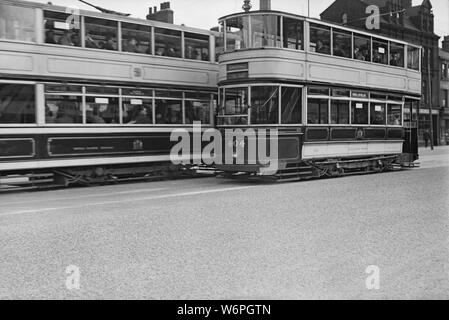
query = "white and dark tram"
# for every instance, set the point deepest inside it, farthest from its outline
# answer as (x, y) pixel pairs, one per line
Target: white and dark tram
(343, 100)
(91, 96)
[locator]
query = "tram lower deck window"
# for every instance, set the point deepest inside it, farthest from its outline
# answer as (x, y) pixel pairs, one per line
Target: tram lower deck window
(168, 111)
(63, 109)
(318, 111)
(394, 114)
(265, 105)
(137, 111)
(359, 112)
(102, 110)
(197, 111)
(17, 104)
(340, 112)
(291, 104)
(377, 113)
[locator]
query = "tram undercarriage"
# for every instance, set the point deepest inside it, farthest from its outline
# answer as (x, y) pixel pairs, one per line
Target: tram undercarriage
(324, 168)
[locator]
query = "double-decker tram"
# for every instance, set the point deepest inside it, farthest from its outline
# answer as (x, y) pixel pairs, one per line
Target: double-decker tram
(91, 97)
(342, 100)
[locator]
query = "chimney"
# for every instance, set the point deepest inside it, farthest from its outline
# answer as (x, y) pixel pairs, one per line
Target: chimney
(164, 15)
(265, 5)
(446, 43)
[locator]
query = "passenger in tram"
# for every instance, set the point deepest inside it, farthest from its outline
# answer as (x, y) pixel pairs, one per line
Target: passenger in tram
(160, 51)
(131, 46)
(321, 48)
(50, 37)
(76, 39)
(171, 52)
(49, 116)
(338, 51)
(205, 54)
(358, 54)
(143, 117)
(110, 43)
(394, 61)
(93, 116)
(90, 42)
(66, 39)
(62, 116)
(190, 52)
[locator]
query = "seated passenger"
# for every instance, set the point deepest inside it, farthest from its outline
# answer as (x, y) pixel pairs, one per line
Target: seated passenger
(93, 117)
(205, 54)
(394, 61)
(63, 117)
(90, 42)
(76, 39)
(131, 46)
(143, 117)
(189, 52)
(50, 37)
(321, 48)
(110, 43)
(171, 52)
(358, 54)
(160, 51)
(338, 51)
(66, 39)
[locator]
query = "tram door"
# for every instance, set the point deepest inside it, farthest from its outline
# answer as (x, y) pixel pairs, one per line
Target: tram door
(411, 127)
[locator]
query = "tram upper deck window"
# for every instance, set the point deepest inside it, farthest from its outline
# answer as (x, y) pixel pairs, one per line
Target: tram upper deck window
(266, 31)
(342, 44)
(196, 46)
(320, 39)
(101, 34)
(397, 54)
(362, 48)
(359, 112)
(264, 105)
(380, 51)
(237, 33)
(17, 104)
(136, 38)
(168, 42)
(17, 23)
(413, 58)
(340, 111)
(59, 31)
(318, 111)
(137, 110)
(394, 114)
(219, 45)
(63, 109)
(293, 34)
(377, 113)
(291, 104)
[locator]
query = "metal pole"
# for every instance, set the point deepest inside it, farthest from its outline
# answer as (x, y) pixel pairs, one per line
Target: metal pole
(429, 79)
(308, 8)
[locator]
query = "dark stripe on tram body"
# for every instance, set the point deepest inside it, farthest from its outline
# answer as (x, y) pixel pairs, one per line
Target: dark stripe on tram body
(375, 133)
(343, 133)
(395, 133)
(317, 134)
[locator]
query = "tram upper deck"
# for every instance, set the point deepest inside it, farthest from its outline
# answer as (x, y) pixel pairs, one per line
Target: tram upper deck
(41, 41)
(304, 50)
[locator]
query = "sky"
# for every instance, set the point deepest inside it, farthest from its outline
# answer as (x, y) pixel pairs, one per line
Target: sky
(204, 14)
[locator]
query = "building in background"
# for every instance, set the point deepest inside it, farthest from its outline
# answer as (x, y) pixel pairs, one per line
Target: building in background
(415, 24)
(444, 103)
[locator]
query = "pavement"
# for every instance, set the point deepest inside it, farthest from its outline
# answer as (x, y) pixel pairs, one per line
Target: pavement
(219, 239)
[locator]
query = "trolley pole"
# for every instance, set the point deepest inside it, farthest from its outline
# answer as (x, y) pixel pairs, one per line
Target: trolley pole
(429, 93)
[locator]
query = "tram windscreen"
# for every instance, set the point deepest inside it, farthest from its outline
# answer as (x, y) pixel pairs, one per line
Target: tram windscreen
(264, 105)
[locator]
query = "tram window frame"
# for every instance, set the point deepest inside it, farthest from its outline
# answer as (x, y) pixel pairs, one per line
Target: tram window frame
(374, 111)
(242, 94)
(168, 42)
(237, 33)
(97, 114)
(100, 90)
(162, 103)
(379, 44)
(76, 114)
(63, 33)
(397, 49)
(261, 35)
(50, 88)
(22, 26)
(138, 116)
(287, 117)
(196, 41)
(22, 97)
(360, 51)
(142, 34)
(322, 113)
(413, 58)
(341, 52)
(263, 115)
(325, 39)
(391, 119)
(293, 27)
(105, 37)
(355, 105)
(336, 112)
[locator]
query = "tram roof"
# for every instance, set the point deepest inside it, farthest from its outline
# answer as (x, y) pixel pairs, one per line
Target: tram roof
(317, 21)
